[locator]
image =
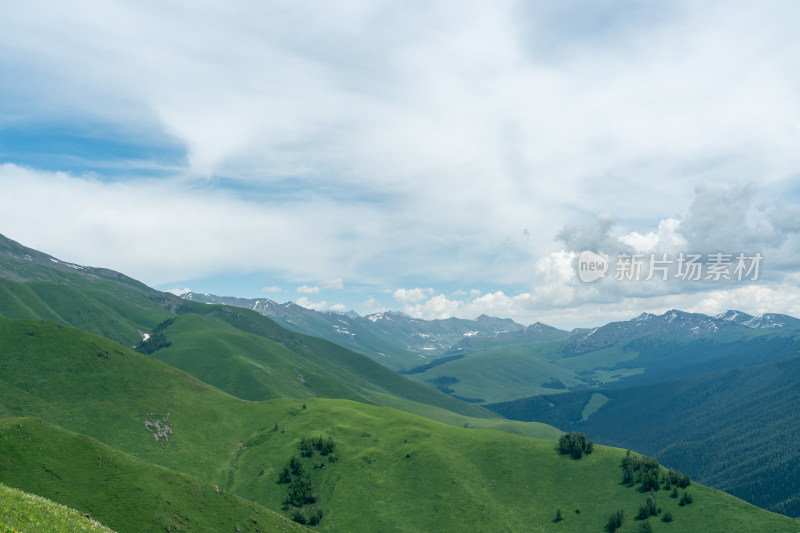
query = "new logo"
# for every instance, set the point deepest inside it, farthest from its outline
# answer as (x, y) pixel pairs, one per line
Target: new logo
(591, 266)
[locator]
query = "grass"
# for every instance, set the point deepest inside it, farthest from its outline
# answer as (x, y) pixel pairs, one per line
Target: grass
(596, 401)
(395, 471)
(21, 512)
(101, 307)
(512, 372)
(734, 429)
(502, 374)
(251, 357)
(238, 350)
(534, 430)
(126, 493)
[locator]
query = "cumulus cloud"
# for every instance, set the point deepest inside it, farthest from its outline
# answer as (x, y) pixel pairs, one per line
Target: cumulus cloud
(451, 144)
(371, 305)
(667, 238)
(272, 288)
(305, 289)
(722, 217)
(308, 304)
(557, 295)
(411, 295)
(595, 236)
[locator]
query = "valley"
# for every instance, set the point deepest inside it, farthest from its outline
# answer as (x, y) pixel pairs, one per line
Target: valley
(191, 429)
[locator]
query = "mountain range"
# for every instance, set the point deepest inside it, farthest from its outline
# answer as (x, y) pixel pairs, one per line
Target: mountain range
(402, 342)
(153, 413)
(392, 338)
(604, 381)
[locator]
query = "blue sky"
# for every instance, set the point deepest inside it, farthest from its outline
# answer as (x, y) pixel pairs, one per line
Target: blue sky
(438, 158)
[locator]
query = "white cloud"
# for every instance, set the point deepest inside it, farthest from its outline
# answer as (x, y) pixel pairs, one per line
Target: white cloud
(411, 295)
(152, 230)
(273, 288)
(370, 305)
(308, 304)
(666, 239)
(334, 284)
(177, 291)
(305, 289)
(437, 307)
(448, 147)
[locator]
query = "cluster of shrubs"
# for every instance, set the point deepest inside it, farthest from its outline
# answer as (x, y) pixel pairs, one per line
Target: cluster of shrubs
(649, 508)
(615, 521)
(575, 445)
(323, 446)
(301, 498)
(652, 478)
(636, 468)
(649, 474)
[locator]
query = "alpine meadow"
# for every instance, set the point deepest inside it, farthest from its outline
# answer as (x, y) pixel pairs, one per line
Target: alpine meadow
(399, 267)
(192, 428)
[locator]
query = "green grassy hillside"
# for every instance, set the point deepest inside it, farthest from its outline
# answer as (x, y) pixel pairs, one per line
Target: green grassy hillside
(395, 471)
(251, 357)
(736, 429)
(513, 372)
(501, 374)
(71, 378)
(27, 513)
(123, 492)
(101, 307)
(409, 474)
(34, 285)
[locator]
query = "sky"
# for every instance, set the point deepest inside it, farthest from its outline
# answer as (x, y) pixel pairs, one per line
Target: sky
(441, 158)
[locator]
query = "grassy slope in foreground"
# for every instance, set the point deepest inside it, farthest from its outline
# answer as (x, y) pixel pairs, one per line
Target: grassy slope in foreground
(27, 513)
(126, 493)
(734, 429)
(75, 379)
(396, 471)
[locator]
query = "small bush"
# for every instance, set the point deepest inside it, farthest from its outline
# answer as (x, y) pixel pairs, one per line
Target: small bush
(627, 477)
(310, 515)
(615, 520)
(642, 514)
(306, 447)
(285, 476)
(650, 481)
(575, 445)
